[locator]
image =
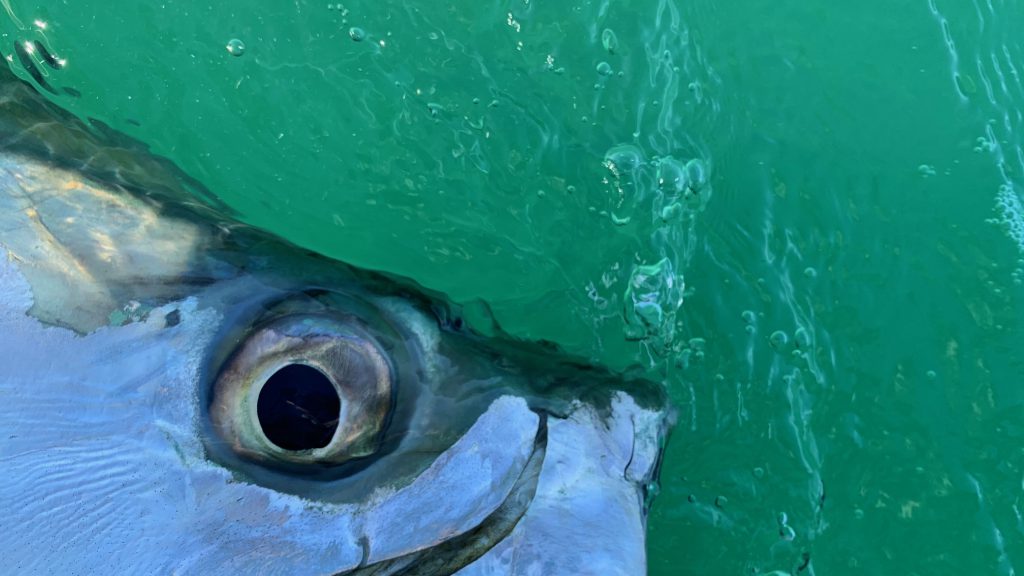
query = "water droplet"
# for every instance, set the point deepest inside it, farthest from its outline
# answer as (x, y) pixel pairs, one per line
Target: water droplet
(810, 272)
(235, 47)
(604, 69)
(570, 188)
(541, 194)
(609, 41)
(356, 34)
(931, 374)
(691, 498)
(787, 533)
(748, 316)
(435, 109)
(758, 472)
(749, 329)
(721, 501)
(782, 519)
(778, 339)
(858, 514)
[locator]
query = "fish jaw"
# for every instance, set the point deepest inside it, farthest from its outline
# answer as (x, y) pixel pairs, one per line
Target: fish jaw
(589, 512)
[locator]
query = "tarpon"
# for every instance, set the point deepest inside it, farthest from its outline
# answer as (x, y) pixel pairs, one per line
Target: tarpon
(182, 394)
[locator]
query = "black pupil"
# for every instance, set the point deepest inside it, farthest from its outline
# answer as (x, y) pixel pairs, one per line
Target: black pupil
(298, 408)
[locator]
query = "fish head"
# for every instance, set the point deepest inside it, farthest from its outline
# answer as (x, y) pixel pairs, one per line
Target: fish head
(183, 394)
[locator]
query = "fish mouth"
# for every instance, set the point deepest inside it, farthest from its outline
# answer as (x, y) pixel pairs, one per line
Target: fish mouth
(457, 552)
(580, 499)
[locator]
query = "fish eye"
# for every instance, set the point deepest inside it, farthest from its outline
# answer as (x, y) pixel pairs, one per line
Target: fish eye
(304, 389)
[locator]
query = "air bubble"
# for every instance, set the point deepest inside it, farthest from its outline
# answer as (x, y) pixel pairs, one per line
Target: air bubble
(787, 533)
(671, 212)
(649, 312)
(748, 316)
(810, 272)
(778, 339)
(672, 175)
(802, 338)
(625, 157)
(609, 41)
(696, 174)
(235, 47)
(604, 69)
(356, 34)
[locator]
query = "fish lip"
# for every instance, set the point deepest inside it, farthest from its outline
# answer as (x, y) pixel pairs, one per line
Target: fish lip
(451, 555)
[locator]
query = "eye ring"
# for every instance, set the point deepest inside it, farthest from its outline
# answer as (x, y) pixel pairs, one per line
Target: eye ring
(332, 355)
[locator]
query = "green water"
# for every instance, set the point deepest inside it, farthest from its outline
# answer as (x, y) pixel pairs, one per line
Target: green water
(838, 184)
